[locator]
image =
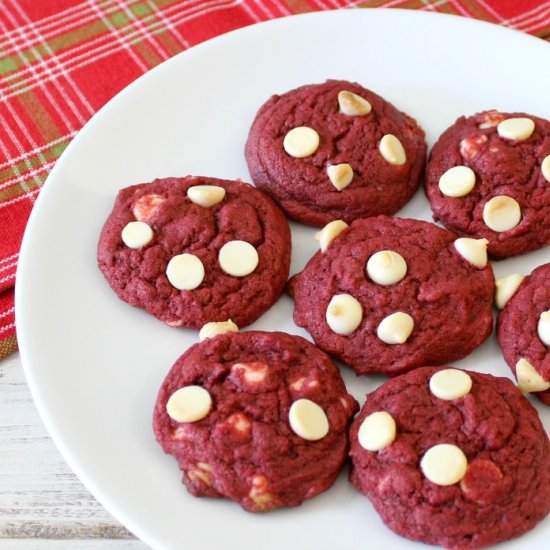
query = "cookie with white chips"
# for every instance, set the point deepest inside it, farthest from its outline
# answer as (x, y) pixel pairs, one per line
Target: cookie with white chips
(195, 249)
(260, 418)
(335, 151)
(523, 329)
(454, 458)
(390, 294)
(488, 176)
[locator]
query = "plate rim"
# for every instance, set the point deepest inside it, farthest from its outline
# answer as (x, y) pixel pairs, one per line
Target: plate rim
(27, 359)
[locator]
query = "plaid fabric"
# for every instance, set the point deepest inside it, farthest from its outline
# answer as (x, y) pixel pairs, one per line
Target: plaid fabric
(55, 55)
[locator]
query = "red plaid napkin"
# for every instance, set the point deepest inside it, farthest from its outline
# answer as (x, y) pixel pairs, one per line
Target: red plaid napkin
(61, 60)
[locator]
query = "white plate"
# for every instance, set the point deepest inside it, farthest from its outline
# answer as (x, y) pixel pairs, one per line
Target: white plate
(95, 364)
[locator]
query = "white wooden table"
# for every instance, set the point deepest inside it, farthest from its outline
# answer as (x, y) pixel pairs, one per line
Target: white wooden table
(43, 505)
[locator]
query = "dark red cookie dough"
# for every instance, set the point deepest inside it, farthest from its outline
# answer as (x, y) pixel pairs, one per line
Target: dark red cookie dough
(301, 185)
(502, 167)
(180, 226)
(449, 299)
(245, 449)
(506, 488)
(517, 326)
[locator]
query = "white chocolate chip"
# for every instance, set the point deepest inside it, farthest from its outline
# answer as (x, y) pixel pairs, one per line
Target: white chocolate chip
(501, 213)
(329, 233)
(253, 373)
(189, 404)
(377, 431)
(457, 181)
(543, 327)
(206, 195)
(185, 272)
(202, 472)
(444, 464)
(450, 384)
(506, 287)
(308, 420)
(392, 150)
(298, 384)
(473, 251)
(214, 328)
(386, 267)
(470, 146)
(344, 314)
(239, 423)
(519, 128)
(395, 328)
(301, 142)
(340, 175)
(304, 384)
(145, 207)
(529, 380)
(238, 258)
(491, 119)
(259, 482)
(545, 168)
(193, 475)
(175, 323)
(353, 104)
(260, 495)
(136, 234)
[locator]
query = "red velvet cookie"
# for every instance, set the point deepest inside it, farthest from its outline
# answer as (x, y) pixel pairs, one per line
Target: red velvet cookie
(335, 151)
(192, 250)
(489, 177)
(452, 458)
(523, 331)
(257, 417)
(389, 294)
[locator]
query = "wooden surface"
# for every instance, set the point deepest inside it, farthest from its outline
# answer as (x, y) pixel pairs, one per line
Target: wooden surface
(43, 505)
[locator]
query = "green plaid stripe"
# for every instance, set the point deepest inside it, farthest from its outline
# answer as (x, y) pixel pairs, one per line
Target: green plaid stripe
(37, 165)
(139, 24)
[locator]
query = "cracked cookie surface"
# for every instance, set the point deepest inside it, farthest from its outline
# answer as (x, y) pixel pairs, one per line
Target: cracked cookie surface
(511, 164)
(437, 309)
(502, 488)
(351, 170)
(246, 447)
(193, 250)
